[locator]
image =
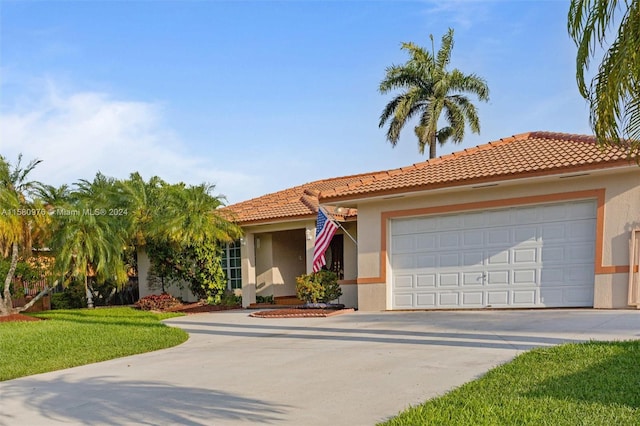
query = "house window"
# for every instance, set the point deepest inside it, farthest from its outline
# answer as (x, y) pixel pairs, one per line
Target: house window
(335, 257)
(231, 263)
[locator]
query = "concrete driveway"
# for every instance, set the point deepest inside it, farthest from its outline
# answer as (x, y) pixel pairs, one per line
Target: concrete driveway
(352, 369)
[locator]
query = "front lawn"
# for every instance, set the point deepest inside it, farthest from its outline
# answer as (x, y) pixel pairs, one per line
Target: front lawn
(594, 383)
(68, 338)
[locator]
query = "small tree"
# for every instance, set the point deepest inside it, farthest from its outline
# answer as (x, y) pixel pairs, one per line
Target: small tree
(318, 287)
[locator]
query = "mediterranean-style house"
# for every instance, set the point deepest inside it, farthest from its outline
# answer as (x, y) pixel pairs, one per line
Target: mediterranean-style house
(534, 220)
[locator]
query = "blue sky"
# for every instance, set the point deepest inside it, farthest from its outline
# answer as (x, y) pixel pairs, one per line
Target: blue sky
(259, 96)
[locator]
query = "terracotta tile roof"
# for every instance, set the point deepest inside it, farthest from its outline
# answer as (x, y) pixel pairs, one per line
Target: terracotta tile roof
(523, 155)
(299, 202)
(519, 156)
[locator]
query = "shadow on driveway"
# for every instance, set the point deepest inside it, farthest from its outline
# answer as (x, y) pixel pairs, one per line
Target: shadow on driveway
(430, 338)
(101, 400)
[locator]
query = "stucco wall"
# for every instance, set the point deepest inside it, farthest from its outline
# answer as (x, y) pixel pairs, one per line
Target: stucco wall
(145, 288)
(289, 261)
(620, 215)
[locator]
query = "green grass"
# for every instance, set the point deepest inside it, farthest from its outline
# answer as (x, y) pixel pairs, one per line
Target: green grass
(69, 338)
(594, 383)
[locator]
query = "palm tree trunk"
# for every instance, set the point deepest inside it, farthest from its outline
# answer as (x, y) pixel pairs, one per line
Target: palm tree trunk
(432, 148)
(6, 305)
(88, 292)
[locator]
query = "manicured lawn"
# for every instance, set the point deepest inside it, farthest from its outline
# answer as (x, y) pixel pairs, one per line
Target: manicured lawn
(594, 383)
(69, 338)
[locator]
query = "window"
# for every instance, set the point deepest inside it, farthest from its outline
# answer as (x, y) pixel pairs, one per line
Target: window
(231, 264)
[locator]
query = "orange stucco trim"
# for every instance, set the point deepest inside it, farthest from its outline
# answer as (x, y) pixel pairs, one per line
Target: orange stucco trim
(597, 194)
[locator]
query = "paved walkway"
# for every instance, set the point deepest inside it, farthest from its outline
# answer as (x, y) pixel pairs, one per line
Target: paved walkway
(353, 369)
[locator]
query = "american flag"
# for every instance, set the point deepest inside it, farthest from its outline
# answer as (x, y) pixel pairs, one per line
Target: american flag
(325, 229)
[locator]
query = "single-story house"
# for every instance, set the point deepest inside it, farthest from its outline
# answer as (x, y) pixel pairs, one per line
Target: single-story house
(534, 220)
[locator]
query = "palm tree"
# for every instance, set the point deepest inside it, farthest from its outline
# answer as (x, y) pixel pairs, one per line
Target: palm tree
(614, 91)
(16, 226)
(88, 240)
(429, 89)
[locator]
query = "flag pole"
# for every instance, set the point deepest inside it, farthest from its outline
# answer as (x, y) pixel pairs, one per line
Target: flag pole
(338, 223)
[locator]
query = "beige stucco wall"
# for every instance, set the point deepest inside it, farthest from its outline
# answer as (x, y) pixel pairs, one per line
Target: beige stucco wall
(289, 261)
(621, 215)
(263, 245)
(146, 289)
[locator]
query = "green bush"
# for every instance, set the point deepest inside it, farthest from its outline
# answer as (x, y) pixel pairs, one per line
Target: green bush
(72, 297)
(229, 298)
(318, 287)
(265, 299)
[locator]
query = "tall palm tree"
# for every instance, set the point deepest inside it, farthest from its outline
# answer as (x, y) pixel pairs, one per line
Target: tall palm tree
(16, 225)
(429, 90)
(614, 91)
(88, 239)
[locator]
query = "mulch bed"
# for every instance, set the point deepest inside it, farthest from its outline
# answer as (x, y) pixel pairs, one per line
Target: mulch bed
(18, 317)
(199, 307)
(300, 313)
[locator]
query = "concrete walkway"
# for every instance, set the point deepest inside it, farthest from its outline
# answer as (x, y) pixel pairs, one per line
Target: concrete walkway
(352, 369)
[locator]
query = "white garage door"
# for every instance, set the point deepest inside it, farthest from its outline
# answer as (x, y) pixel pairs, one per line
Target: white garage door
(534, 256)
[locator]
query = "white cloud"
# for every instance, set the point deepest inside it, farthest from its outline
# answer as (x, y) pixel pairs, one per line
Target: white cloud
(78, 134)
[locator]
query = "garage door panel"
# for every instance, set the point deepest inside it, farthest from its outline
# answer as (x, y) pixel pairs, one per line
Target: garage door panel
(527, 215)
(449, 260)
(553, 232)
(498, 277)
(426, 260)
(525, 277)
(404, 282)
(498, 218)
(472, 278)
(582, 210)
(474, 220)
(426, 280)
(524, 297)
(499, 258)
(581, 231)
(552, 297)
(425, 242)
(498, 237)
(426, 300)
(404, 244)
(449, 240)
(450, 222)
(526, 235)
(525, 255)
(448, 299)
(473, 298)
(448, 280)
(426, 224)
(553, 212)
(531, 256)
(403, 301)
(403, 261)
(472, 258)
(473, 238)
(579, 253)
(498, 297)
(553, 254)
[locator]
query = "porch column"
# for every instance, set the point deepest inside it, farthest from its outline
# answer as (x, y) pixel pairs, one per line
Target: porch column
(248, 253)
(310, 240)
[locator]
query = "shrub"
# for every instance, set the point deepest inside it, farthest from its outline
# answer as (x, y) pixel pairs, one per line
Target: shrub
(265, 299)
(72, 297)
(157, 302)
(229, 298)
(318, 287)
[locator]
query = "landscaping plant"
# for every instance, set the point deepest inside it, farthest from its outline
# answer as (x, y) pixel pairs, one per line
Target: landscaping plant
(318, 287)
